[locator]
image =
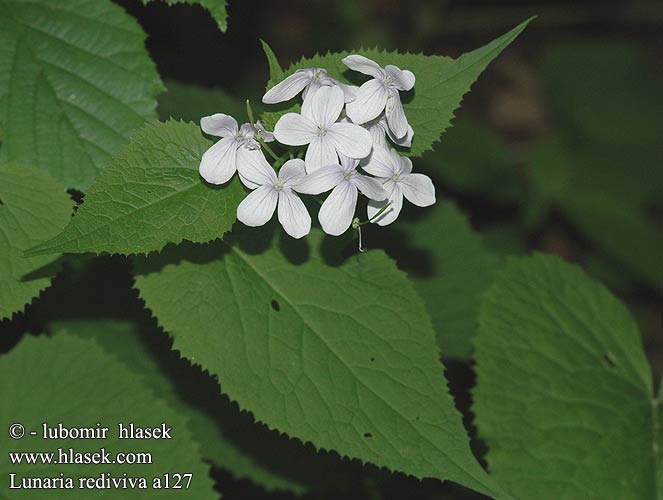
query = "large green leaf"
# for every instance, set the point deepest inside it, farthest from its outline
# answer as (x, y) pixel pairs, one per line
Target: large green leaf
(441, 84)
(564, 393)
(33, 207)
(339, 354)
(78, 82)
(150, 196)
(216, 8)
(73, 381)
(218, 429)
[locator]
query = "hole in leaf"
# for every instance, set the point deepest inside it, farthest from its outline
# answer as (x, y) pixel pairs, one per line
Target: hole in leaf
(609, 358)
(276, 306)
(368, 435)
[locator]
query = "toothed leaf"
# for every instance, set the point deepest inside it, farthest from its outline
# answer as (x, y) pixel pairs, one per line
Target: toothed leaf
(564, 396)
(81, 83)
(33, 207)
(339, 354)
(151, 195)
(441, 84)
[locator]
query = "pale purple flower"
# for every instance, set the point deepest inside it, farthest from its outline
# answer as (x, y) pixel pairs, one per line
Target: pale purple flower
(395, 174)
(272, 191)
(380, 93)
(219, 163)
(380, 131)
(307, 80)
(318, 127)
(337, 210)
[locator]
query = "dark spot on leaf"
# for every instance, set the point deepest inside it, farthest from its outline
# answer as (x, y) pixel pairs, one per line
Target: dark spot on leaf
(608, 357)
(416, 418)
(2, 202)
(276, 306)
(372, 359)
(368, 435)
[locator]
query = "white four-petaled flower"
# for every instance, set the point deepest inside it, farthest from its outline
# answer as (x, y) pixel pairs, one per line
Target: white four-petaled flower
(318, 127)
(380, 93)
(395, 173)
(219, 163)
(272, 190)
(308, 80)
(337, 210)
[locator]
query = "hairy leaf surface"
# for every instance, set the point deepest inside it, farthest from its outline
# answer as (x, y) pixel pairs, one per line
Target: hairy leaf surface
(150, 196)
(74, 381)
(77, 82)
(339, 354)
(564, 397)
(441, 83)
(33, 207)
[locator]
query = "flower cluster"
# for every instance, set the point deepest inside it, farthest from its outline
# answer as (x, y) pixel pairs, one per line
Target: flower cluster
(342, 133)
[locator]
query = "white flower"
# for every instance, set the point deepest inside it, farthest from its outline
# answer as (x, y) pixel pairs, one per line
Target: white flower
(309, 80)
(271, 190)
(338, 209)
(395, 173)
(318, 127)
(380, 92)
(263, 133)
(380, 130)
(219, 163)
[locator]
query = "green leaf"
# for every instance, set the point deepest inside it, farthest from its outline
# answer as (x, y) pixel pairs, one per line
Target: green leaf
(33, 207)
(150, 196)
(339, 354)
(564, 393)
(449, 267)
(218, 9)
(215, 426)
(612, 220)
(73, 381)
(78, 83)
(188, 102)
(441, 84)
(275, 70)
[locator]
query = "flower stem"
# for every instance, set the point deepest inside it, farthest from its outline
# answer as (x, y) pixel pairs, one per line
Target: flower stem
(356, 223)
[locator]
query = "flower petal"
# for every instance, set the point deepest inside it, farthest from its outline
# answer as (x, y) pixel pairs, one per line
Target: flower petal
(405, 141)
(369, 187)
(288, 88)
(254, 169)
(349, 91)
(378, 130)
(392, 212)
(402, 79)
(219, 163)
(350, 140)
(381, 163)
(418, 189)
(267, 136)
(369, 103)
(321, 180)
(405, 162)
(396, 116)
(258, 207)
(295, 130)
(293, 215)
(364, 65)
(320, 153)
(324, 105)
(292, 172)
(338, 209)
(219, 125)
